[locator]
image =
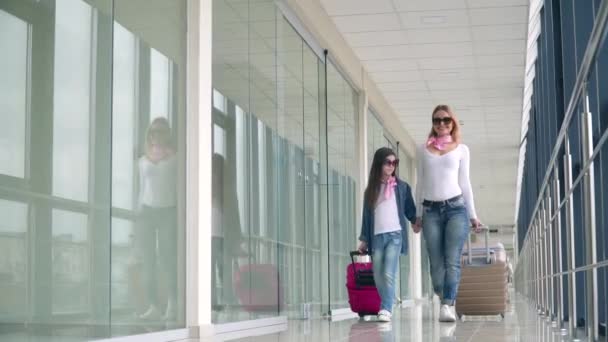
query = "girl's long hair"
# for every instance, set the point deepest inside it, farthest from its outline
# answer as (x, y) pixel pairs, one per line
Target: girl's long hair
(375, 175)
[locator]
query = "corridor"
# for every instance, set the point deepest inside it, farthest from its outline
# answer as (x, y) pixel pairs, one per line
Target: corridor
(207, 170)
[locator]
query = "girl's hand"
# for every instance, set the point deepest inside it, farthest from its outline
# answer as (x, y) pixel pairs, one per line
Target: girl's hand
(362, 247)
(418, 225)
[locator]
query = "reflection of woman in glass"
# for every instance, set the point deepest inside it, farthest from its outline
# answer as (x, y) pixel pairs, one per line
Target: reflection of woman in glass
(157, 201)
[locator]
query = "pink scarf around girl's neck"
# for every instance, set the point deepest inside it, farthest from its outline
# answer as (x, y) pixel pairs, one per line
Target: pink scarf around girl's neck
(390, 187)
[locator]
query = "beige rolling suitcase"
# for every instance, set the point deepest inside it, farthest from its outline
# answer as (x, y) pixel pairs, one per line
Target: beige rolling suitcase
(483, 284)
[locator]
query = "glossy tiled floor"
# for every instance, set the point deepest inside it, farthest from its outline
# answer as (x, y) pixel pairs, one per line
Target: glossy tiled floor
(419, 323)
(416, 323)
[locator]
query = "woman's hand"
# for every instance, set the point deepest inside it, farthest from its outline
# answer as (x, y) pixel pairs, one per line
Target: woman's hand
(418, 225)
(476, 225)
(362, 247)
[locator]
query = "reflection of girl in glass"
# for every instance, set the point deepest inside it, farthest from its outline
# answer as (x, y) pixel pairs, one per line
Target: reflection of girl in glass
(226, 233)
(157, 228)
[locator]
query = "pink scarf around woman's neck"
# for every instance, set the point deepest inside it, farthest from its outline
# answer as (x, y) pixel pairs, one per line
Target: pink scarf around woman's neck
(439, 142)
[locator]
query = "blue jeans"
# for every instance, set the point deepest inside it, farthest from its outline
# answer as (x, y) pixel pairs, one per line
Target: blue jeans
(387, 247)
(445, 226)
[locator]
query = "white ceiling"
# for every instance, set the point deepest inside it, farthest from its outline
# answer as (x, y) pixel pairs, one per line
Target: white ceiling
(468, 54)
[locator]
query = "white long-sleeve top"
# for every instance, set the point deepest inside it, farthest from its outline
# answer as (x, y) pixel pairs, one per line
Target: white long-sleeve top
(441, 177)
(157, 182)
(386, 214)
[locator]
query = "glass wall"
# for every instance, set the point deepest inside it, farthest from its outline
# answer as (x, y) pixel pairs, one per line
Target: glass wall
(375, 136)
(92, 167)
(342, 108)
(281, 164)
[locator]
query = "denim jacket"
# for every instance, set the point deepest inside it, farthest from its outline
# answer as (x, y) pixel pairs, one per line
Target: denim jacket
(406, 208)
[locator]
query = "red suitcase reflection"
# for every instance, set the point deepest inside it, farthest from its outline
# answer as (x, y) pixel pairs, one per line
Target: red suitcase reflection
(265, 292)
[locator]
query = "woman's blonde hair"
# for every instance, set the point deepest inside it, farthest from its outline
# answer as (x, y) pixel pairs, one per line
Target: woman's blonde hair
(455, 125)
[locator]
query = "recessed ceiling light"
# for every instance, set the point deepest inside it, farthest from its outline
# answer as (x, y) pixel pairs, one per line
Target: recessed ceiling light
(433, 19)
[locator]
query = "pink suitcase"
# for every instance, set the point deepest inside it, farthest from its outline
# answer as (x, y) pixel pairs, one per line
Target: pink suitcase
(363, 296)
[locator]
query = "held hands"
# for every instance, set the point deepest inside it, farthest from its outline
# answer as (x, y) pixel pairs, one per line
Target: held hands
(476, 225)
(417, 227)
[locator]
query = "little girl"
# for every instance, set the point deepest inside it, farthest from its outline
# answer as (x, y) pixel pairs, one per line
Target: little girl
(388, 202)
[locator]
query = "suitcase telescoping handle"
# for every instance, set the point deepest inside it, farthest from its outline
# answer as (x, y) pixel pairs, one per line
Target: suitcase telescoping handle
(486, 231)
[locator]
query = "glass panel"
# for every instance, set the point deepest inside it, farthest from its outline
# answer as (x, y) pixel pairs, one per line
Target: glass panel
(231, 173)
(70, 253)
(268, 153)
(60, 263)
(315, 229)
(336, 185)
(72, 99)
(123, 118)
(269, 221)
(13, 261)
(342, 178)
(123, 269)
(14, 44)
(160, 90)
(55, 218)
(148, 131)
(292, 233)
(375, 136)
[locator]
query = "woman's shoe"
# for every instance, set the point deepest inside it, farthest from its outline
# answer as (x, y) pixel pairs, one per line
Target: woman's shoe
(446, 314)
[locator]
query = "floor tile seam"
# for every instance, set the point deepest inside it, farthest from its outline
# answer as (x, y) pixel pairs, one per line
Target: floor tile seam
(475, 332)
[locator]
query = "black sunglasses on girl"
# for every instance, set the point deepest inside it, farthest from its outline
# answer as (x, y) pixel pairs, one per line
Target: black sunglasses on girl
(447, 120)
(394, 163)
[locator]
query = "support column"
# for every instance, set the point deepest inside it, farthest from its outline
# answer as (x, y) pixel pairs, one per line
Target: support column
(199, 151)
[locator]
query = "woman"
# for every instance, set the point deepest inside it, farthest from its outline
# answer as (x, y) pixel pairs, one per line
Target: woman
(444, 201)
(388, 202)
(157, 205)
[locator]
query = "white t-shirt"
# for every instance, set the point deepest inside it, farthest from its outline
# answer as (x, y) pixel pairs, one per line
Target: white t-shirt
(386, 215)
(443, 177)
(157, 181)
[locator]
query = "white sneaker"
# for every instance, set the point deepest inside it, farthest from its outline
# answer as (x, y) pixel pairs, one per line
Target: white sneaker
(384, 316)
(446, 314)
(151, 315)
